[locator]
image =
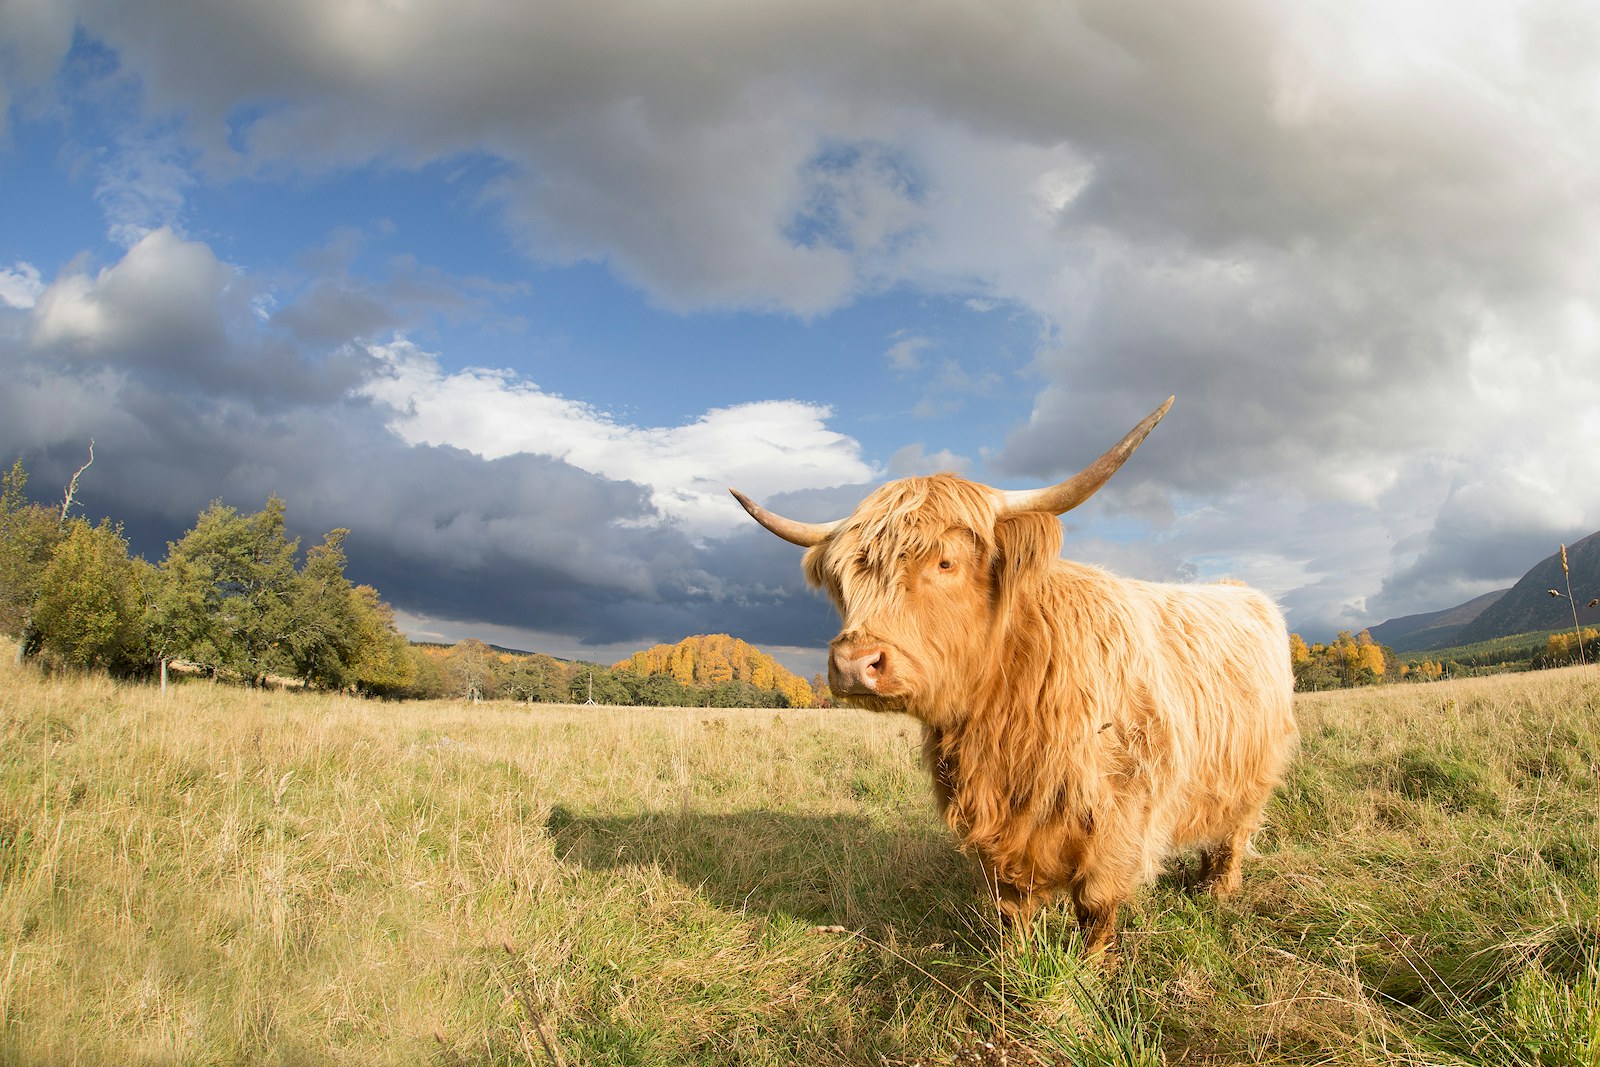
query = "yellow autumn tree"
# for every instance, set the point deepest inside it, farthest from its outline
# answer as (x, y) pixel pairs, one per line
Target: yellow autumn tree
(715, 666)
(1298, 652)
(1564, 647)
(1369, 654)
(681, 665)
(708, 660)
(1349, 660)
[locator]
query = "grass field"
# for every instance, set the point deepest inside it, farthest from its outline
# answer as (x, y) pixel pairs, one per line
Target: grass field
(279, 878)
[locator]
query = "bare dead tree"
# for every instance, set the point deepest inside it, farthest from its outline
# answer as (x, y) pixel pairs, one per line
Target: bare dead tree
(72, 486)
(29, 639)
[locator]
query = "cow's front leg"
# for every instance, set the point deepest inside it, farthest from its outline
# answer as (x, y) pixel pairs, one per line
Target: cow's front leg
(1096, 899)
(1017, 905)
(1098, 922)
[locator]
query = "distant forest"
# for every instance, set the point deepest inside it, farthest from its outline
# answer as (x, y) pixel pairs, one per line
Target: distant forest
(236, 600)
(713, 670)
(1356, 660)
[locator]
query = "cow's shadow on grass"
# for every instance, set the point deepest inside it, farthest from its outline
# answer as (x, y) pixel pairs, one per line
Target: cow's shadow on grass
(824, 870)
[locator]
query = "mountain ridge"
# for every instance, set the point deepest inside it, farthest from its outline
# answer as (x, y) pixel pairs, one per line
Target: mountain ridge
(1524, 607)
(1529, 606)
(1432, 629)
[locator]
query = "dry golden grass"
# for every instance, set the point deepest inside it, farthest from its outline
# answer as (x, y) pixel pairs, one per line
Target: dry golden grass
(248, 877)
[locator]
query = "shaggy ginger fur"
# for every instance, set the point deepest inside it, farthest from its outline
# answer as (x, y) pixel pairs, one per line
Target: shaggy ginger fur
(1079, 727)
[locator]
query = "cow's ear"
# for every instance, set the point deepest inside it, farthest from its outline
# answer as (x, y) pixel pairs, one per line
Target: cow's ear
(815, 566)
(1026, 544)
(814, 563)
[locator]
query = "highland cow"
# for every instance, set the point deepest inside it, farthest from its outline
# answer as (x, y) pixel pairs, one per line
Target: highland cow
(1080, 728)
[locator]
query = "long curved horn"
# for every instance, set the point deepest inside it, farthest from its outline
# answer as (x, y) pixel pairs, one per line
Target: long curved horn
(1064, 496)
(804, 534)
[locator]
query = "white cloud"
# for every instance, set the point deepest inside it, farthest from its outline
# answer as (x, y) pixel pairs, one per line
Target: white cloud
(761, 448)
(916, 459)
(20, 285)
(905, 355)
(171, 309)
(142, 307)
(142, 186)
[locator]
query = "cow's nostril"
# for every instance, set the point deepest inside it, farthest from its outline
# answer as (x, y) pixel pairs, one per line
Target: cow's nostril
(858, 671)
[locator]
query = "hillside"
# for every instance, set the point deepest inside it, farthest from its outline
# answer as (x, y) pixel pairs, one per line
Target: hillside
(1528, 606)
(1432, 629)
(709, 660)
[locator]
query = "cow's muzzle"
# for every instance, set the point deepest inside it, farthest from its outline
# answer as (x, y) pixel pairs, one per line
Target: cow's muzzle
(860, 668)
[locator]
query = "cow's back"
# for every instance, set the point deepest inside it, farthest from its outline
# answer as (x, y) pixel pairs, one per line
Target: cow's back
(1185, 692)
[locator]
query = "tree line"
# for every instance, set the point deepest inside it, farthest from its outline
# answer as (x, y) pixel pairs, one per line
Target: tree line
(1352, 660)
(1343, 663)
(1356, 660)
(722, 663)
(472, 670)
(232, 597)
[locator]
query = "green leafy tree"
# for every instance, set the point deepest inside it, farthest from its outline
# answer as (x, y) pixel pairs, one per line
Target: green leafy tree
(29, 534)
(176, 619)
(737, 694)
(1316, 674)
(658, 691)
(383, 664)
(537, 679)
(237, 573)
(428, 671)
(606, 686)
(88, 612)
(323, 636)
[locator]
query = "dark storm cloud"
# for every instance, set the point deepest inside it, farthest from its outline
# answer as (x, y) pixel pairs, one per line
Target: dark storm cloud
(1489, 533)
(171, 316)
(521, 541)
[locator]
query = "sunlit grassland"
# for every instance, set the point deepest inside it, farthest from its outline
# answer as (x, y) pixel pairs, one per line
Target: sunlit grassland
(230, 876)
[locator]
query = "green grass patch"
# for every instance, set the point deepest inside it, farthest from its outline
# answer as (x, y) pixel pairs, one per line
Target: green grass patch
(267, 878)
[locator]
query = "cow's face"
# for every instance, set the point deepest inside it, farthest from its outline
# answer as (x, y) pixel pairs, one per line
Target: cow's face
(923, 575)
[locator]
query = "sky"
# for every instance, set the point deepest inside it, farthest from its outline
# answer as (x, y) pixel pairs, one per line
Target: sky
(515, 290)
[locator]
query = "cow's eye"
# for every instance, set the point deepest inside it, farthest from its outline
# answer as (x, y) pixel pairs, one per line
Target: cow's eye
(947, 564)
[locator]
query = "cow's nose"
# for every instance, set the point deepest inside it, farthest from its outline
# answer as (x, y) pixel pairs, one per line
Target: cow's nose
(858, 671)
